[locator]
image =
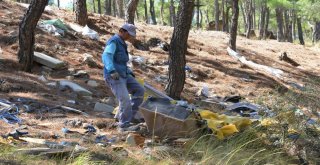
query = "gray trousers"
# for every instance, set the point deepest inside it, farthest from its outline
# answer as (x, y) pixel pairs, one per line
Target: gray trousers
(128, 107)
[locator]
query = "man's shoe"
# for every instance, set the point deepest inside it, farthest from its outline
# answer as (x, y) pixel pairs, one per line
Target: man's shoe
(137, 121)
(128, 128)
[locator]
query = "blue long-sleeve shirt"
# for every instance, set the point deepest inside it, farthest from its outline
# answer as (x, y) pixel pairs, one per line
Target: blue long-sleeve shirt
(108, 57)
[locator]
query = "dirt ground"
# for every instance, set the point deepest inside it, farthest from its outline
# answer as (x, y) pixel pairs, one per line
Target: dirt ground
(207, 56)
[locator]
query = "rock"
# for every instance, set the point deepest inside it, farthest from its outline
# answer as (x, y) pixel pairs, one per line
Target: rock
(92, 83)
(75, 87)
(48, 61)
(81, 74)
(101, 107)
(88, 59)
(78, 148)
(70, 78)
(110, 101)
(135, 140)
(204, 91)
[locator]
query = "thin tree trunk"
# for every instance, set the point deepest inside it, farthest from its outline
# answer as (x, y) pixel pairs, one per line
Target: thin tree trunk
(316, 32)
(227, 19)
(162, 12)
(130, 11)
(152, 12)
(81, 12)
(114, 7)
(198, 14)
(172, 13)
(107, 4)
(216, 9)
(58, 3)
(254, 25)
(120, 8)
(234, 25)
(26, 33)
(137, 15)
(262, 19)
(73, 5)
(279, 15)
(266, 22)
(223, 12)
(146, 11)
(300, 32)
(207, 16)
(249, 18)
(99, 6)
(177, 59)
(94, 6)
(294, 19)
(244, 17)
(201, 18)
(287, 30)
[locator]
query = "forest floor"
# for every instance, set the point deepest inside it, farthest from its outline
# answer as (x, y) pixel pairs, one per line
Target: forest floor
(211, 67)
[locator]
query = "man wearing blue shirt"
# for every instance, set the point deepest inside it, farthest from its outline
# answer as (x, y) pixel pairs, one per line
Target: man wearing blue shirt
(120, 78)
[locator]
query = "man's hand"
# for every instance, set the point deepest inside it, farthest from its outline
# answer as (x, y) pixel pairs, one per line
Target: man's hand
(115, 75)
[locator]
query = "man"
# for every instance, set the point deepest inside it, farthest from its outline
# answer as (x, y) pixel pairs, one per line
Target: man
(120, 78)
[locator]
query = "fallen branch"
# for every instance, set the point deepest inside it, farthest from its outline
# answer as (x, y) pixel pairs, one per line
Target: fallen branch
(273, 71)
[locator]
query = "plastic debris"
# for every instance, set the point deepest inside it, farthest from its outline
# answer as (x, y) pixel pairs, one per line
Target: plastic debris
(223, 125)
(90, 33)
(65, 130)
(90, 129)
(8, 112)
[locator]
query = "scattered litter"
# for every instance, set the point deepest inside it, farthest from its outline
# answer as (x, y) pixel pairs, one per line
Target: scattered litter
(57, 23)
(51, 29)
(139, 60)
(90, 33)
(75, 87)
(65, 130)
(81, 74)
(72, 101)
(88, 59)
(8, 112)
(187, 68)
(48, 60)
(204, 91)
(135, 140)
(223, 125)
(92, 83)
(90, 129)
(42, 78)
(248, 110)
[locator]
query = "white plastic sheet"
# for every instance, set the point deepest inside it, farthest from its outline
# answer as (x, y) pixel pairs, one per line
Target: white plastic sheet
(90, 33)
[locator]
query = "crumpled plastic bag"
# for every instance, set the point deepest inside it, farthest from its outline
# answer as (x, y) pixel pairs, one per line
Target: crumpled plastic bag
(223, 125)
(90, 33)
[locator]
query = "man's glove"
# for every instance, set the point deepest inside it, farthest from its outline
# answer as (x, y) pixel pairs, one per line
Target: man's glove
(115, 75)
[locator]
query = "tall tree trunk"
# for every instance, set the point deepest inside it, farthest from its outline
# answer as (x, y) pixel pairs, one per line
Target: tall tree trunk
(294, 19)
(207, 16)
(201, 18)
(198, 14)
(120, 8)
(58, 3)
(152, 12)
(114, 7)
(266, 23)
(107, 6)
(223, 13)
(130, 10)
(234, 25)
(94, 6)
(81, 12)
(227, 19)
(254, 24)
(216, 9)
(172, 13)
(26, 33)
(244, 17)
(262, 19)
(177, 59)
(73, 5)
(279, 15)
(300, 33)
(162, 12)
(287, 31)
(146, 11)
(316, 32)
(249, 18)
(99, 6)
